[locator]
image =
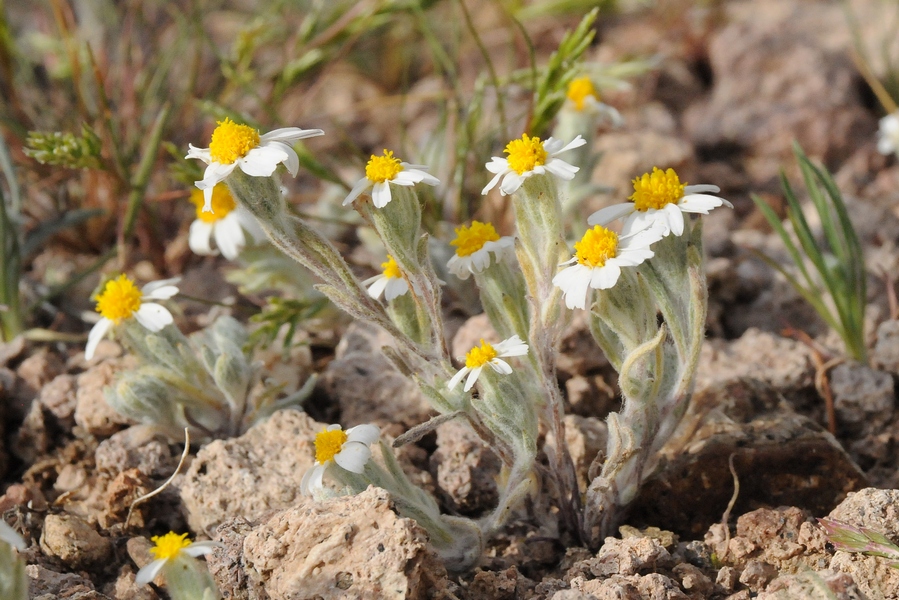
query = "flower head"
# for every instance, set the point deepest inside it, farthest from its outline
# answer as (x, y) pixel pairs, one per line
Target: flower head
(350, 450)
(529, 156)
(168, 549)
(121, 300)
(226, 223)
(888, 134)
(381, 171)
(488, 355)
(234, 145)
(390, 282)
(474, 243)
(582, 97)
(660, 197)
(598, 259)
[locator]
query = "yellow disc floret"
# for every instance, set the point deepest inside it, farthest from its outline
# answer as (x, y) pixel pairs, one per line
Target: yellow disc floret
(480, 355)
(390, 269)
(383, 168)
(119, 299)
(328, 444)
(657, 190)
(222, 203)
(231, 141)
(597, 246)
(579, 90)
(525, 154)
(471, 239)
(169, 545)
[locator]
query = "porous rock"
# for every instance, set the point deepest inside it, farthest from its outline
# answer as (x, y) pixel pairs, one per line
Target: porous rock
(812, 585)
(139, 447)
(863, 398)
(367, 386)
(250, 475)
(886, 350)
(227, 565)
(59, 398)
(73, 541)
(465, 469)
(126, 588)
(634, 587)
(346, 547)
(92, 412)
(629, 556)
(44, 582)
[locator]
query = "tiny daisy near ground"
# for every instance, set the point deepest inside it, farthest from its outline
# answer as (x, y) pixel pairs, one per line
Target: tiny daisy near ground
(529, 156)
(660, 197)
(169, 547)
(488, 355)
(227, 223)
(350, 450)
(234, 145)
(390, 282)
(383, 170)
(583, 97)
(121, 300)
(474, 243)
(888, 134)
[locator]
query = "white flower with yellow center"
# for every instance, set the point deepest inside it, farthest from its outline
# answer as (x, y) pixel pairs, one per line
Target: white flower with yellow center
(474, 244)
(529, 156)
(381, 171)
(168, 549)
(888, 134)
(598, 259)
(350, 449)
(487, 354)
(226, 223)
(234, 145)
(390, 282)
(660, 197)
(121, 300)
(582, 97)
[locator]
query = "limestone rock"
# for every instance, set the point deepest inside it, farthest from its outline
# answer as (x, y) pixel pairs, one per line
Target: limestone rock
(347, 547)
(91, 410)
(138, 447)
(863, 398)
(74, 542)
(250, 475)
(811, 585)
(465, 469)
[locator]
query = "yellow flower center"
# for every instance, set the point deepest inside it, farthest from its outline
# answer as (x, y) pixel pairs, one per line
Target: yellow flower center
(222, 203)
(578, 91)
(119, 300)
(231, 141)
(390, 269)
(382, 168)
(657, 190)
(328, 444)
(471, 239)
(480, 355)
(597, 246)
(169, 545)
(525, 154)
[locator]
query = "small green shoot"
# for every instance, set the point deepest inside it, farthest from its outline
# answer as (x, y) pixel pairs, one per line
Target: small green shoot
(837, 259)
(864, 540)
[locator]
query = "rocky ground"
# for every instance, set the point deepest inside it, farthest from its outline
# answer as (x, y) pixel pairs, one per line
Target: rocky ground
(737, 84)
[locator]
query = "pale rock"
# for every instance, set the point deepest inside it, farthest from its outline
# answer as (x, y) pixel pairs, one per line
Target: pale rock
(756, 575)
(250, 475)
(125, 588)
(863, 398)
(886, 350)
(74, 542)
(629, 556)
(91, 409)
(44, 582)
(138, 447)
(465, 469)
(585, 437)
(346, 547)
(59, 397)
(812, 585)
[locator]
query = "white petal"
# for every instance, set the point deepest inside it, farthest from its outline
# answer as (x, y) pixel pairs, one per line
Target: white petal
(414, 176)
(98, 332)
(200, 548)
(378, 285)
(198, 237)
(701, 189)
(229, 236)
(353, 456)
(512, 182)
(396, 287)
(500, 366)
(498, 165)
(214, 174)
(606, 215)
(367, 434)
(643, 238)
(575, 143)
(153, 316)
(574, 282)
(249, 224)
(472, 378)
(632, 258)
(293, 161)
(639, 220)
(262, 161)
(561, 169)
(200, 153)
(149, 572)
(493, 182)
(605, 276)
(312, 480)
(380, 194)
(700, 203)
(361, 185)
(457, 378)
(675, 218)
(514, 346)
(459, 266)
(289, 135)
(163, 289)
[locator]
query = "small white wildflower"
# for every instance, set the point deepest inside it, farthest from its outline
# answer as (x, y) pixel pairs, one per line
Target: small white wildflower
(474, 244)
(227, 223)
(168, 550)
(582, 97)
(381, 171)
(888, 134)
(487, 354)
(529, 156)
(350, 449)
(390, 282)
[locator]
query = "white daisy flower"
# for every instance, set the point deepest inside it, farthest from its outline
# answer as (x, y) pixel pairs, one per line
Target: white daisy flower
(888, 134)
(390, 282)
(227, 223)
(583, 97)
(381, 171)
(529, 156)
(168, 550)
(473, 247)
(660, 197)
(487, 354)
(234, 145)
(350, 449)
(120, 300)
(599, 257)
(11, 537)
